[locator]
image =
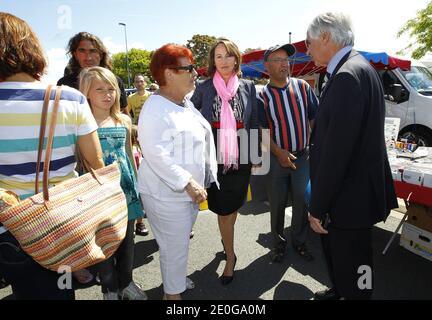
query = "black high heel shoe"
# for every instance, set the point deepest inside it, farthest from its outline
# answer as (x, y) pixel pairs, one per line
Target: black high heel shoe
(225, 280)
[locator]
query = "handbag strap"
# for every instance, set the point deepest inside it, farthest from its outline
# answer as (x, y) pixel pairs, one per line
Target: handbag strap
(85, 165)
(42, 134)
(50, 140)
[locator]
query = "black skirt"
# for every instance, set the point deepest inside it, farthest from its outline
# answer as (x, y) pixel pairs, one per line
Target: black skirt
(233, 190)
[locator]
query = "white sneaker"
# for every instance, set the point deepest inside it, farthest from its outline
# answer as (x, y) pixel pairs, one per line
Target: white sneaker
(133, 292)
(110, 296)
(189, 284)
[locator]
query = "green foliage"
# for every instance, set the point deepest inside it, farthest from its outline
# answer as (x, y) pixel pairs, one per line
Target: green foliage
(419, 28)
(139, 62)
(251, 49)
(200, 46)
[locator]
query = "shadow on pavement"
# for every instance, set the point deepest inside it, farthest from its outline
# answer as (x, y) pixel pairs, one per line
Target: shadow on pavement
(144, 251)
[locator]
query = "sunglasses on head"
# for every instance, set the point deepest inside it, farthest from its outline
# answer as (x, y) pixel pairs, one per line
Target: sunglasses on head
(188, 68)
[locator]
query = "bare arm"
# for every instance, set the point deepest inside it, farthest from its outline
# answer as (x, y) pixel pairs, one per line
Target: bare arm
(128, 124)
(90, 149)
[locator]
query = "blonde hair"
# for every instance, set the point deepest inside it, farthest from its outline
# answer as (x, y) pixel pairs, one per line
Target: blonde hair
(86, 78)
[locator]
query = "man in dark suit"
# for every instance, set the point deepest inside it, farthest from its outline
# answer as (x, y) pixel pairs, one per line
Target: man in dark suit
(352, 186)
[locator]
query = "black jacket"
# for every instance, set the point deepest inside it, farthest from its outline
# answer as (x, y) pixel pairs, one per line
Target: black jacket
(350, 173)
(71, 80)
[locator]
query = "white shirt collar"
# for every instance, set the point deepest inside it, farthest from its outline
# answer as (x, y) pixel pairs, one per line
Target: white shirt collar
(337, 58)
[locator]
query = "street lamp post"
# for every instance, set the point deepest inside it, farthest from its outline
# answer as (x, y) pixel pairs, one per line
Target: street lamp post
(127, 54)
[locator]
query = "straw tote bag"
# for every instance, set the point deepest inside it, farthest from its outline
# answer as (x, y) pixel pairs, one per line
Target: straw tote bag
(75, 224)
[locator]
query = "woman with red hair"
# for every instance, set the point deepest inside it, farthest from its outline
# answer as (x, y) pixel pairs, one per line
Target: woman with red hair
(179, 160)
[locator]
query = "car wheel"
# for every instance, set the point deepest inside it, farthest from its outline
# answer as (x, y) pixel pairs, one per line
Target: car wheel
(421, 137)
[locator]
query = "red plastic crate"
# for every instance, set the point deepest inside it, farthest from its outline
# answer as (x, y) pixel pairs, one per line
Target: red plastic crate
(414, 193)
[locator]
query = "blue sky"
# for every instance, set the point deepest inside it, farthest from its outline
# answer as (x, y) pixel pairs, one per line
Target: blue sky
(249, 23)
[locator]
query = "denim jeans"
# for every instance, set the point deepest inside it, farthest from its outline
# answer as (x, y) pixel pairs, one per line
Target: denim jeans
(29, 280)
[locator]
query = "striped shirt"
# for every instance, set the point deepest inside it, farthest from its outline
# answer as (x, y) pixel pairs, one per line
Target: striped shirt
(20, 115)
(287, 112)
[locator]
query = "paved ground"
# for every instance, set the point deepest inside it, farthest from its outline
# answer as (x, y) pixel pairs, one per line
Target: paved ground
(399, 275)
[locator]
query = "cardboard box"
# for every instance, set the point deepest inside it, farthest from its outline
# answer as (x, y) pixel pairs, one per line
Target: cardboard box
(420, 216)
(397, 175)
(412, 176)
(427, 180)
(417, 241)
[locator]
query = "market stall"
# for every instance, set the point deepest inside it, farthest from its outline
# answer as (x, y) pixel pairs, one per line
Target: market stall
(412, 174)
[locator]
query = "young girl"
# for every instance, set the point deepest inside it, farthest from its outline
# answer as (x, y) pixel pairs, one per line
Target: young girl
(140, 228)
(100, 87)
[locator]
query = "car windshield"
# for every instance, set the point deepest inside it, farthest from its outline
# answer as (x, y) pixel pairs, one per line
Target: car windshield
(420, 79)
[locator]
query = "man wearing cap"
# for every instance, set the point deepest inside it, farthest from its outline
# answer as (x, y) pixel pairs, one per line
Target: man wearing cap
(287, 107)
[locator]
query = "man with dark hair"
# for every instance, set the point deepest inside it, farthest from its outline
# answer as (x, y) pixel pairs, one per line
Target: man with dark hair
(87, 50)
(287, 106)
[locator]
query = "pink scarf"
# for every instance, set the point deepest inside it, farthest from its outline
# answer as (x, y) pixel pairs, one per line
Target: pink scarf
(228, 127)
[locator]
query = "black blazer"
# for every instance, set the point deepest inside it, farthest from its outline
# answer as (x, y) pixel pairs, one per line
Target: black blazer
(350, 173)
(205, 93)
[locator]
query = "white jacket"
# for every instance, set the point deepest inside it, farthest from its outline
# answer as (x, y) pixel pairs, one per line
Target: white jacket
(177, 144)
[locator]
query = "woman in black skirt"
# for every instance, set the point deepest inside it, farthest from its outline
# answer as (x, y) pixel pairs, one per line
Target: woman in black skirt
(229, 104)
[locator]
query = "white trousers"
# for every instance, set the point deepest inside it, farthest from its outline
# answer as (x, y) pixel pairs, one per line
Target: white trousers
(171, 224)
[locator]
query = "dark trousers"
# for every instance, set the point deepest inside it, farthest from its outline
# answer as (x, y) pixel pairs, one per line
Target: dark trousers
(348, 254)
(115, 273)
(29, 280)
(281, 183)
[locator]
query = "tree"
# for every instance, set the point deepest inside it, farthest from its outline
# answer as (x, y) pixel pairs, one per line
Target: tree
(251, 49)
(421, 29)
(200, 46)
(139, 62)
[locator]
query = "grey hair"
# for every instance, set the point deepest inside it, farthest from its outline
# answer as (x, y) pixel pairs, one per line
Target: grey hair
(337, 24)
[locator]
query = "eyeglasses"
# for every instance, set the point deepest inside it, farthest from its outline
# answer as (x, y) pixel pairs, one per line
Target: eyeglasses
(279, 60)
(188, 68)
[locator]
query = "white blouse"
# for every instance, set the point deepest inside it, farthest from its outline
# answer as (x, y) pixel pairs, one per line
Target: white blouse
(177, 145)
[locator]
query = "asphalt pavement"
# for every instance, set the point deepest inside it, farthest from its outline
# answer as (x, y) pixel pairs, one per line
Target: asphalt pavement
(399, 274)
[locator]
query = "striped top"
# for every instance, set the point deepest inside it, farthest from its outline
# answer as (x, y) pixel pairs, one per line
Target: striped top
(287, 112)
(20, 114)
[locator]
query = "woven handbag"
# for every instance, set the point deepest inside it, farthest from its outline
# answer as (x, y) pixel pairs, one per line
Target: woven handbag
(77, 223)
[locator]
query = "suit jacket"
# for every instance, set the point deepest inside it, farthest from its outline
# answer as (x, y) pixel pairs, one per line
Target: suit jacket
(205, 93)
(350, 173)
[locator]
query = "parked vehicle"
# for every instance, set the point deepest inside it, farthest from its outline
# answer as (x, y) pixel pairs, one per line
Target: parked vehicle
(408, 96)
